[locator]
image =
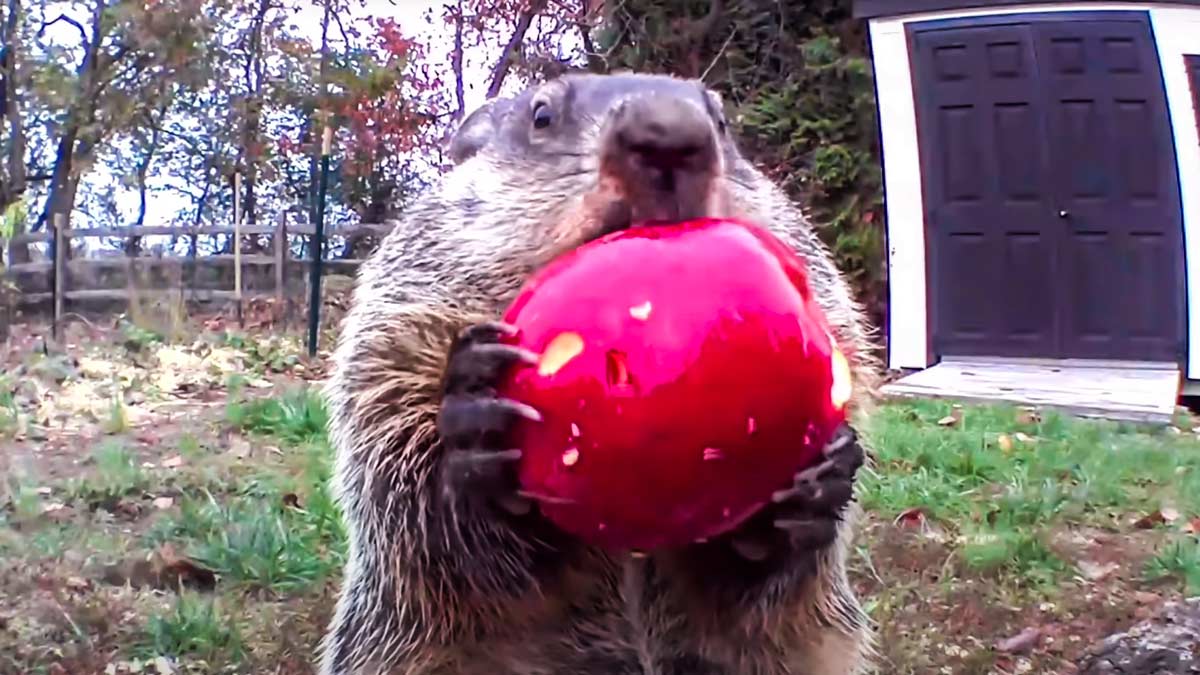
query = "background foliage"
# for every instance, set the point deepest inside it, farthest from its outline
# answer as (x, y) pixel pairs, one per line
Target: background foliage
(800, 88)
(112, 105)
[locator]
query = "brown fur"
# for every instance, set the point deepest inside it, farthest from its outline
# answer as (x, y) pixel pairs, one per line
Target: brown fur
(429, 591)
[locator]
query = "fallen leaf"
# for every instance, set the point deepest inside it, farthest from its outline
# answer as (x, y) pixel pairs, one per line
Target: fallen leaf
(1192, 526)
(1021, 642)
(173, 462)
(1096, 571)
(1169, 515)
(914, 517)
(948, 421)
(44, 491)
(171, 565)
(53, 506)
(1026, 417)
(128, 507)
(240, 448)
(1150, 521)
(163, 666)
(163, 502)
(1147, 598)
(78, 583)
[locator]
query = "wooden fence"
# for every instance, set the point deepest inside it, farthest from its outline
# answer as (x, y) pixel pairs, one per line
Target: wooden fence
(56, 275)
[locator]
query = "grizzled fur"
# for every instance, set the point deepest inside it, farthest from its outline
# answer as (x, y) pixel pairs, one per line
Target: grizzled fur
(433, 587)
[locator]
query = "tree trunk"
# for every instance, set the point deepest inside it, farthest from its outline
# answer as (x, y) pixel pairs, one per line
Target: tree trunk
(253, 109)
(12, 187)
(456, 61)
(81, 113)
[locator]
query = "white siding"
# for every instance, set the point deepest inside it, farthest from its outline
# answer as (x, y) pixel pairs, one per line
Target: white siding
(1177, 32)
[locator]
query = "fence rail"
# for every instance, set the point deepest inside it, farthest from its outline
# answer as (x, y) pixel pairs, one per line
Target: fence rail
(55, 273)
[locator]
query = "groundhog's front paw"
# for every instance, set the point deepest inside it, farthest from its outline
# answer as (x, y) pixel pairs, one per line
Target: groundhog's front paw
(479, 466)
(803, 519)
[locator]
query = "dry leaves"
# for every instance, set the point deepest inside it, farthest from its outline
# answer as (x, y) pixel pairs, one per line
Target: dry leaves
(1028, 417)
(172, 462)
(1164, 516)
(910, 518)
(955, 416)
(1096, 571)
(1021, 642)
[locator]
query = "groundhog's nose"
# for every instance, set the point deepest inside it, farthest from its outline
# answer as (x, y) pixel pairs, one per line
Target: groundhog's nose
(664, 135)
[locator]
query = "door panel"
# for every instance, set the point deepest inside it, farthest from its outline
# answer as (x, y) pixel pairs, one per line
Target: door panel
(987, 177)
(1048, 171)
(1111, 144)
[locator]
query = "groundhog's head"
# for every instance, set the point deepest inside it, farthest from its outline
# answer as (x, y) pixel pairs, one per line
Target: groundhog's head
(584, 155)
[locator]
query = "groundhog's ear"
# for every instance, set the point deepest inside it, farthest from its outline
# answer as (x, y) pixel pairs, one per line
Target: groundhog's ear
(475, 131)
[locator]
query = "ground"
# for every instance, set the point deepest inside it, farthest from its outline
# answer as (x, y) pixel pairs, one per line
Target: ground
(164, 508)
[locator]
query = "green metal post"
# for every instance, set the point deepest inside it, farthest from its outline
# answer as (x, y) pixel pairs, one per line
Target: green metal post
(318, 248)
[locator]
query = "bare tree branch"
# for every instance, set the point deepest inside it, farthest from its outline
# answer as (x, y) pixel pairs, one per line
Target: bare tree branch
(456, 59)
(66, 19)
(500, 71)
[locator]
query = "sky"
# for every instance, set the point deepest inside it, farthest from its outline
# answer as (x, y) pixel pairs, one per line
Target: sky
(163, 204)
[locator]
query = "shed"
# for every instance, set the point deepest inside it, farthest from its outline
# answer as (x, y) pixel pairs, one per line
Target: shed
(1041, 167)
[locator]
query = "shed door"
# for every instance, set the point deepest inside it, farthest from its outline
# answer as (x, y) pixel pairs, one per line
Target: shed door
(1048, 167)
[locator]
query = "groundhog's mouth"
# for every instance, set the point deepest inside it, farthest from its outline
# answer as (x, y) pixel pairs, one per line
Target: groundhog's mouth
(621, 214)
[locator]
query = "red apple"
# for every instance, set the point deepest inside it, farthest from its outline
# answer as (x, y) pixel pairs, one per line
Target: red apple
(686, 374)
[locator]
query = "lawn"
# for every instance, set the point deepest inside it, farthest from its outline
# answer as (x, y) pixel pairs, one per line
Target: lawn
(164, 508)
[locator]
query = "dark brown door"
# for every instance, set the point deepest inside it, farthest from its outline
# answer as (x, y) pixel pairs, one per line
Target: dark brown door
(1052, 204)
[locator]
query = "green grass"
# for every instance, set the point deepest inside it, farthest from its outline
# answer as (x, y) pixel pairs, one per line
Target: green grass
(196, 627)
(117, 474)
(1004, 496)
(298, 416)
(1179, 560)
(280, 530)
(8, 405)
(254, 543)
(1072, 468)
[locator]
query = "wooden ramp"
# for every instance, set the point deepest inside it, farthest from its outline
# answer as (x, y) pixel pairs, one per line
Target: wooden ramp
(1137, 392)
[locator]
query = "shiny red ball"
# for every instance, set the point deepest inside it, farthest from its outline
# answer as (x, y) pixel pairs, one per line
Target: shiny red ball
(686, 374)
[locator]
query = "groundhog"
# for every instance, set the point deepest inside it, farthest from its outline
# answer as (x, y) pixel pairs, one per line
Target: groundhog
(451, 569)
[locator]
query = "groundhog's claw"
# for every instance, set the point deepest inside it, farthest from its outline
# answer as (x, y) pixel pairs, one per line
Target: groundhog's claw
(474, 423)
(803, 519)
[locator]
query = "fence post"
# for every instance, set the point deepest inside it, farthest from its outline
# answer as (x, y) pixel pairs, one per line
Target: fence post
(237, 246)
(280, 256)
(60, 254)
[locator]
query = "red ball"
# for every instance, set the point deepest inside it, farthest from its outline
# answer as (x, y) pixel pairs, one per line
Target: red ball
(686, 374)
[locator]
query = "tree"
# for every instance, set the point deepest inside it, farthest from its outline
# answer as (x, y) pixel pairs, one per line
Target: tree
(799, 86)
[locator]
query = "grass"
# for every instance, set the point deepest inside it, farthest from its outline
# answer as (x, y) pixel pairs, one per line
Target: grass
(1013, 506)
(195, 626)
(117, 474)
(1178, 560)
(280, 531)
(255, 544)
(297, 416)
(1001, 481)
(8, 405)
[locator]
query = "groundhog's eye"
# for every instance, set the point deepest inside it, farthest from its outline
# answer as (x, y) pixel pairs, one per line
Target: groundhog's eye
(542, 116)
